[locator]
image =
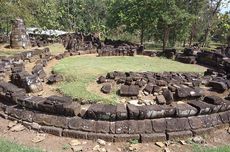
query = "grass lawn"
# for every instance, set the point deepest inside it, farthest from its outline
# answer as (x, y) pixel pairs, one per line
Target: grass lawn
(198, 148)
(81, 71)
(7, 146)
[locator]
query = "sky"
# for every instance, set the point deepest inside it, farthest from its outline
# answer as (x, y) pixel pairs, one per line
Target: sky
(225, 6)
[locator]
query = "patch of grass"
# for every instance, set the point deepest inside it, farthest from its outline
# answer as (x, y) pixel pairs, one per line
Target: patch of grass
(198, 148)
(7, 146)
(80, 71)
(56, 48)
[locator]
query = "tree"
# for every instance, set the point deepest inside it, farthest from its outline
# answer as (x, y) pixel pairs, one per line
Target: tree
(213, 10)
(172, 18)
(137, 16)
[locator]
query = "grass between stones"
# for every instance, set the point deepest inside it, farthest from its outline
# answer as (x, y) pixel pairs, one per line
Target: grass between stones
(7, 146)
(81, 71)
(198, 148)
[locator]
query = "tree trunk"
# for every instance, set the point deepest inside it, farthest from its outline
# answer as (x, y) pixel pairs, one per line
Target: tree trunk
(207, 31)
(142, 35)
(7, 26)
(184, 42)
(165, 37)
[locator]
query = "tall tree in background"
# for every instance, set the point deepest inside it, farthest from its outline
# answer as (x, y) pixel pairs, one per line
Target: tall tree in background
(137, 16)
(214, 6)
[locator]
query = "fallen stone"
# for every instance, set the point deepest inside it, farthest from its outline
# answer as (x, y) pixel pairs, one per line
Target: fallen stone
(198, 140)
(161, 99)
(160, 144)
(39, 138)
(74, 142)
(17, 128)
(101, 142)
(106, 88)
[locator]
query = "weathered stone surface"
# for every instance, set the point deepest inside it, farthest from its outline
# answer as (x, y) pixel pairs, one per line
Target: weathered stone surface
(132, 90)
(225, 116)
(177, 124)
(101, 79)
(159, 125)
(202, 107)
(121, 112)
(96, 136)
(51, 120)
(102, 127)
(149, 88)
(51, 130)
(197, 122)
(122, 127)
(179, 135)
(106, 88)
(153, 137)
(20, 113)
(185, 110)
(218, 86)
(133, 111)
(168, 96)
(145, 126)
(202, 131)
(126, 137)
(161, 99)
(151, 111)
(54, 78)
(74, 134)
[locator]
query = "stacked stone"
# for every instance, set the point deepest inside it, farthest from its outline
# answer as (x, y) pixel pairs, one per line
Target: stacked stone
(188, 56)
(80, 43)
(63, 117)
(18, 37)
(119, 48)
(166, 87)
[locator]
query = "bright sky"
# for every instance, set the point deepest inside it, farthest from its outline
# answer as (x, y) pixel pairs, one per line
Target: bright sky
(225, 6)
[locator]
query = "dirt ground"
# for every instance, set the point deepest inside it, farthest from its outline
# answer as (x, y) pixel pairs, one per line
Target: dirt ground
(61, 144)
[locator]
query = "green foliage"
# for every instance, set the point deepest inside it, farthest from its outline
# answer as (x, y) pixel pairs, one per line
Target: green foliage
(198, 148)
(166, 21)
(7, 146)
(133, 141)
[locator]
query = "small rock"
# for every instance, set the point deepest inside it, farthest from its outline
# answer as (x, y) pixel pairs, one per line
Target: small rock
(198, 140)
(134, 102)
(182, 142)
(102, 150)
(75, 142)
(160, 144)
(95, 148)
(161, 99)
(166, 149)
(17, 128)
(133, 147)
(101, 142)
(106, 88)
(12, 123)
(77, 148)
(39, 138)
(35, 126)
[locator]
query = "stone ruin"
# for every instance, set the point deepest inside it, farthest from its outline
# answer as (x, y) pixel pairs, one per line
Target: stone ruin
(119, 48)
(18, 37)
(184, 104)
(164, 88)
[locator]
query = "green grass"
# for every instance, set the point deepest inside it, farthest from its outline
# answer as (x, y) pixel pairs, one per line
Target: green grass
(207, 149)
(56, 48)
(7, 146)
(80, 71)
